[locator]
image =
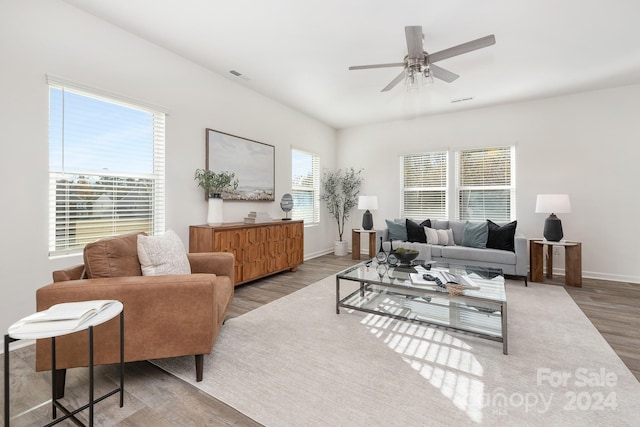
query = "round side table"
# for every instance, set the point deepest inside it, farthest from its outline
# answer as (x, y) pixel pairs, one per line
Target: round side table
(16, 333)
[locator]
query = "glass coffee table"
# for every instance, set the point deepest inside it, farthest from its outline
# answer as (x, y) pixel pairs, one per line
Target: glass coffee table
(389, 291)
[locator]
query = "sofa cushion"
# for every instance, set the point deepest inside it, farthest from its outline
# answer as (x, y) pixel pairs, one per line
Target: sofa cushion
(457, 227)
(415, 231)
(436, 251)
(439, 224)
(439, 237)
(475, 234)
(162, 255)
(113, 257)
(501, 236)
(464, 253)
(397, 231)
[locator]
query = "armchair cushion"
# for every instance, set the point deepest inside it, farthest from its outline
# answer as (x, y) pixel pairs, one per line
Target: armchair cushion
(162, 254)
(113, 257)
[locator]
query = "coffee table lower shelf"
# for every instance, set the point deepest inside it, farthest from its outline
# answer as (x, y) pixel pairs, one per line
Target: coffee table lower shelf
(483, 318)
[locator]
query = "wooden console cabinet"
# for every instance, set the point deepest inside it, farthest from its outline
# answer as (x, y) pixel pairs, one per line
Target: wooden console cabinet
(259, 249)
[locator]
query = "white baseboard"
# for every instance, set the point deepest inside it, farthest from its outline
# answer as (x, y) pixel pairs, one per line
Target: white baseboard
(601, 276)
(318, 253)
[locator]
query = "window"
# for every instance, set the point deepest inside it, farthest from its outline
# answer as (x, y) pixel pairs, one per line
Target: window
(106, 168)
(423, 185)
(305, 186)
(485, 184)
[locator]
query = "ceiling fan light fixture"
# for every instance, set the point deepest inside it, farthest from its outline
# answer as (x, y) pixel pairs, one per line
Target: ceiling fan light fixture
(419, 65)
(413, 80)
(427, 76)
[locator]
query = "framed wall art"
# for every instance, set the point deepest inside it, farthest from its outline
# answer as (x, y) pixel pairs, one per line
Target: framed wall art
(252, 162)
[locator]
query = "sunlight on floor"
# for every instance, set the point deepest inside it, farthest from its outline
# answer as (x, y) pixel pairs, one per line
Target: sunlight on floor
(444, 360)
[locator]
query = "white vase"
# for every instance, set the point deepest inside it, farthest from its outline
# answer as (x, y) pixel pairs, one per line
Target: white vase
(214, 216)
(340, 248)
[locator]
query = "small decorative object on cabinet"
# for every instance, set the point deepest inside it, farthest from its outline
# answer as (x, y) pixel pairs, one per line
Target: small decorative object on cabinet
(214, 185)
(286, 204)
(259, 249)
(215, 214)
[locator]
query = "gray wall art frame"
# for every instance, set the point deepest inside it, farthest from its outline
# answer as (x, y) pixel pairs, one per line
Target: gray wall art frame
(253, 163)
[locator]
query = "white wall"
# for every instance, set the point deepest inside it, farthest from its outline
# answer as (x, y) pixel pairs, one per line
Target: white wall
(586, 145)
(38, 37)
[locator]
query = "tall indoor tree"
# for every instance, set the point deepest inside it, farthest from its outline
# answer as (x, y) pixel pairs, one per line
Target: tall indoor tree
(340, 191)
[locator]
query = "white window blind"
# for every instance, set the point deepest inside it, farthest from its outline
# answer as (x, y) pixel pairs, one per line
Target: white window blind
(423, 185)
(485, 184)
(305, 186)
(106, 168)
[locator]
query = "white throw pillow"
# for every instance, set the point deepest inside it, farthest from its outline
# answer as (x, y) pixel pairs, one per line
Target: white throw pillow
(432, 235)
(163, 254)
(439, 237)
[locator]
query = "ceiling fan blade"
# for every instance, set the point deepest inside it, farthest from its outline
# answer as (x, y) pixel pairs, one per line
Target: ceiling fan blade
(394, 82)
(462, 48)
(442, 74)
(414, 41)
(366, 67)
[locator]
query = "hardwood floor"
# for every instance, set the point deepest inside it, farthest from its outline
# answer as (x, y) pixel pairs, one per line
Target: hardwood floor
(153, 397)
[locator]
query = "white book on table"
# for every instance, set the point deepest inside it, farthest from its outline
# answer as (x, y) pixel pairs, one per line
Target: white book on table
(61, 317)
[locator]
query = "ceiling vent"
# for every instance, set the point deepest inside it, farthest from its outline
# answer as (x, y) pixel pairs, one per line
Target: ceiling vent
(453, 101)
(239, 74)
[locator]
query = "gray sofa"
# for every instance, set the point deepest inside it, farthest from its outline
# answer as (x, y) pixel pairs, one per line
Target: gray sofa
(512, 263)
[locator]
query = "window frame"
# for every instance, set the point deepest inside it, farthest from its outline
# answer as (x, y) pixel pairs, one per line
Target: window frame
(123, 211)
(423, 214)
(453, 187)
(487, 186)
(313, 188)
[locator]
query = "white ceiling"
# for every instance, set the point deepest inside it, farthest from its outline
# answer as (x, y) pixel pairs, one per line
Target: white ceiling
(297, 51)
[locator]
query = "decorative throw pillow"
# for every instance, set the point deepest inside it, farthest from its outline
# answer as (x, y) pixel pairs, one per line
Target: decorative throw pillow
(112, 257)
(439, 237)
(432, 235)
(397, 230)
(163, 254)
(475, 234)
(415, 232)
(501, 236)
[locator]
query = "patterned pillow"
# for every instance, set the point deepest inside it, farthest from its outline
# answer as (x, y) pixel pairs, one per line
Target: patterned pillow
(439, 237)
(163, 254)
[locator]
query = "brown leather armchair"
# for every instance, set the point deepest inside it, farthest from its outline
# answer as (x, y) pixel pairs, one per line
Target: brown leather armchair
(164, 316)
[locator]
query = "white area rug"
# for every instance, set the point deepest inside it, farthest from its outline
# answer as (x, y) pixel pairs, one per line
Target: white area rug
(294, 362)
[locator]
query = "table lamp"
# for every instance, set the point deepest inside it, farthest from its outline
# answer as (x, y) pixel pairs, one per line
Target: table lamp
(366, 203)
(553, 204)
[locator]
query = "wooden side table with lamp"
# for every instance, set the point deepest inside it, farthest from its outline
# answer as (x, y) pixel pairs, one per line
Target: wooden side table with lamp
(552, 204)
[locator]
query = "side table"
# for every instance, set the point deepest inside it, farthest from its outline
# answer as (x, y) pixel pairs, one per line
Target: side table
(572, 261)
(355, 242)
(103, 316)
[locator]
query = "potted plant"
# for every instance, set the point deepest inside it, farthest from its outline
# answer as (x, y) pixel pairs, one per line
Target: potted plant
(340, 191)
(214, 185)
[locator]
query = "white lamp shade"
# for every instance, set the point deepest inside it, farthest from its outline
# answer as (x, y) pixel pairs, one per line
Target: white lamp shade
(553, 203)
(368, 202)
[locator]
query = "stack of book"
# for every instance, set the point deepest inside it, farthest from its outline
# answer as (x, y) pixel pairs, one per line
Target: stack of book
(257, 217)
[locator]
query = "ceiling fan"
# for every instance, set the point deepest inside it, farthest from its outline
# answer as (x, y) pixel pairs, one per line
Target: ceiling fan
(418, 62)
